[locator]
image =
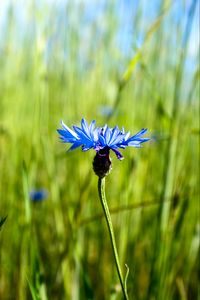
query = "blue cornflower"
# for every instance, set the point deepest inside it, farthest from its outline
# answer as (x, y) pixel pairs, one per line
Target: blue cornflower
(101, 139)
(106, 110)
(38, 195)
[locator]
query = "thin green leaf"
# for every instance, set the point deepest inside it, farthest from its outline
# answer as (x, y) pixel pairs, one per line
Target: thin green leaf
(2, 221)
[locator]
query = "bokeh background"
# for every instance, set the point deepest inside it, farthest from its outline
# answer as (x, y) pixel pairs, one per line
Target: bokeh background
(129, 63)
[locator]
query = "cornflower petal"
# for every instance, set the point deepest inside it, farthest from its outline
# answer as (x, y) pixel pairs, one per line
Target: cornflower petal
(135, 143)
(67, 129)
(123, 131)
(107, 135)
(104, 129)
(85, 127)
(86, 147)
(91, 127)
(75, 145)
(65, 136)
(118, 154)
(136, 139)
(102, 141)
(96, 134)
(115, 132)
(83, 136)
(141, 132)
(127, 135)
(119, 139)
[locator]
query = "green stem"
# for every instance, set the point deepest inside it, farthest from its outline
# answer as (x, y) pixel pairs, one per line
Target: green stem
(102, 196)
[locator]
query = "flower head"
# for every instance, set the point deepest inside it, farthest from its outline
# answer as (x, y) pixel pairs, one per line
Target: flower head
(38, 195)
(100, 138)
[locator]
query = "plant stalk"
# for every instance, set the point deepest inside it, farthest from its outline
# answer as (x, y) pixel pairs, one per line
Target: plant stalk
(102, 196)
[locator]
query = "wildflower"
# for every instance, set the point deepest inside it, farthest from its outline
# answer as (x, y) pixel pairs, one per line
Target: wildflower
(102, 140)
(106, 110)
(100, 137)
(38, 195)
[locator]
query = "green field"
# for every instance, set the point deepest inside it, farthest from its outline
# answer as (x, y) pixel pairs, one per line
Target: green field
(73, 59)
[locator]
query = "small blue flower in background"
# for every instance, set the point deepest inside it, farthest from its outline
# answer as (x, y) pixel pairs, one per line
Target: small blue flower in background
(38, 195)
(99, 138)
(106, 111)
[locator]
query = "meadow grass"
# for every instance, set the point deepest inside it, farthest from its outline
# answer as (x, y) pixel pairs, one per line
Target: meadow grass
(64, 65)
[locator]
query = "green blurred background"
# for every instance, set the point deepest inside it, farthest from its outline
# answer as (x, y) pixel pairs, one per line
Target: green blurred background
(128, 63)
